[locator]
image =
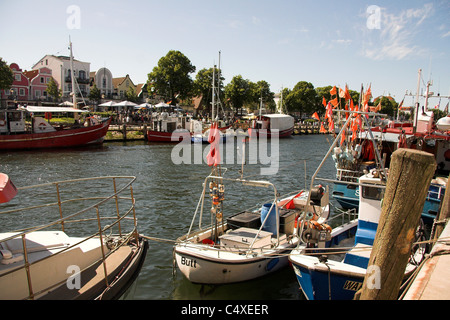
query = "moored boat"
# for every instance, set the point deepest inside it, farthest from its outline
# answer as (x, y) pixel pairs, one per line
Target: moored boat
(16, 134)
(72, 242)
(322, 273)
(272, 125)
(243, 246)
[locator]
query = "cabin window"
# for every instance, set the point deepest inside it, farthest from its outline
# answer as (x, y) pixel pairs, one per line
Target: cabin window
(372, 193)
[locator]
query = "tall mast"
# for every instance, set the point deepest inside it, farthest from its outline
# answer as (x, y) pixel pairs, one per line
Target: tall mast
(213, 94)
(74, 96)
(416, 111)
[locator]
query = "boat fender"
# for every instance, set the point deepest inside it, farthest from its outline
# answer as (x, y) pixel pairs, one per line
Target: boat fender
(6, 254)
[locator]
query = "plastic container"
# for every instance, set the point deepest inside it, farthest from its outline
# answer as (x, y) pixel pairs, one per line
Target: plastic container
(271, 223)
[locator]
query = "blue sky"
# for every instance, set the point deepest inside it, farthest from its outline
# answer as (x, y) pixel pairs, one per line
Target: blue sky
(382, 43)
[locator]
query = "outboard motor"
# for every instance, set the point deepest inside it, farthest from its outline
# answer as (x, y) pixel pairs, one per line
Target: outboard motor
(317, 193)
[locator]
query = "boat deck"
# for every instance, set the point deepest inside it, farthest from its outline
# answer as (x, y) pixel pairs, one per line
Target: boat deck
(93, 278)
(433, 279)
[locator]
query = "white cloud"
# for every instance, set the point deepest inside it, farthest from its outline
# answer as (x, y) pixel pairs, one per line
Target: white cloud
(396, 34)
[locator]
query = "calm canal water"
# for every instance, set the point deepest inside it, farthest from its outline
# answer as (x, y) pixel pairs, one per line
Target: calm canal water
(166, 197)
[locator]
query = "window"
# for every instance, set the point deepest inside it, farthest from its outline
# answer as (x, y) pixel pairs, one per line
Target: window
(21, 92)
(17, 77)
(42, 79)
(372, 193)
(37, 94)
(82, 74)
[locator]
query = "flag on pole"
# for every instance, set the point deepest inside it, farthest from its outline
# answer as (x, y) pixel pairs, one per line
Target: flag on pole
(316, 116)
(213, 157)
(324, 102)
(333, 91)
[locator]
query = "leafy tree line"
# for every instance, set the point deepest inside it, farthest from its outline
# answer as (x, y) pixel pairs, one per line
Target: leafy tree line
(171, 79)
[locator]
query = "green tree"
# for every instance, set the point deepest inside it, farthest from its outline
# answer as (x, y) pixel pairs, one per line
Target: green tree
(203, 86)
(95, 94)
(303, 98)
(53, 90)
(388, 105)
(259, 90)
(171, 78)
(6, 76)
(131, 95)
(237, 92)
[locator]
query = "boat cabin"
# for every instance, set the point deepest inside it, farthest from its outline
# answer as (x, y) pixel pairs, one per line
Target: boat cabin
(12, 121)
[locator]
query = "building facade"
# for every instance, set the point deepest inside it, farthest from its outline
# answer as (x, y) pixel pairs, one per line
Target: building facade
(61, 72)
(39, 80)
(19, 91)
(121, 86)
(103, 79)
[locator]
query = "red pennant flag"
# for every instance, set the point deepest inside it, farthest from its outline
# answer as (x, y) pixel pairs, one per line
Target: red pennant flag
(333, 91)
(334, 102)
(324, 102)
(315, 115)
(213, 157)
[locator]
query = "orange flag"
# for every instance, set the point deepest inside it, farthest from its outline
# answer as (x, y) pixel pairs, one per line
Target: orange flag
(347, 93)
(333, 91)
(343, 137)
(315, 115)
(334, 102)
(322, 129)
(324, 102)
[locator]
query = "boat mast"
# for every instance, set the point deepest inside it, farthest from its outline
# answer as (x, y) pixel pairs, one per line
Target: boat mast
(74, 96)
(213, 95)
(416, 111)
(72, 76)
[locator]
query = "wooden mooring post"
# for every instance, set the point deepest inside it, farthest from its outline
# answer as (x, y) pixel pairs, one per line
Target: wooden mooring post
(409, 178)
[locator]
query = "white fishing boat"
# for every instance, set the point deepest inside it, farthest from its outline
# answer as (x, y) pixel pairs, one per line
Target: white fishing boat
(244, 246)
(73, 239)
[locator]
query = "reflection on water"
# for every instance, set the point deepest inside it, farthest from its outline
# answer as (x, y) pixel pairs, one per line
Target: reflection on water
(166, 197)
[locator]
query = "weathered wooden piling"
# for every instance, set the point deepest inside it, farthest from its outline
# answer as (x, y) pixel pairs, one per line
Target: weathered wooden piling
(409, 178)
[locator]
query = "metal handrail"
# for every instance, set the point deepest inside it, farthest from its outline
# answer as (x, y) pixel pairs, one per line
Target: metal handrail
(69, 219)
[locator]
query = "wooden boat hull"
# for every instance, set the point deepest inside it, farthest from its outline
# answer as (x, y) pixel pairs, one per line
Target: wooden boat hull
(82, 136)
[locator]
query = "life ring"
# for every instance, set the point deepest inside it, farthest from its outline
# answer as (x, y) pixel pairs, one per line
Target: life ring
(41, 126)
(2, 123)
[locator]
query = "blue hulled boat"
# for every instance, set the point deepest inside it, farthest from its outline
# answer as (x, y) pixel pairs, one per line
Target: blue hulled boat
(337, 277)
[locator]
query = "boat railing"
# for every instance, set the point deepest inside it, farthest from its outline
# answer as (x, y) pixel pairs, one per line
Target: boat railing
(347, 175)
(113, 213)
(342, 217)
(254, 183)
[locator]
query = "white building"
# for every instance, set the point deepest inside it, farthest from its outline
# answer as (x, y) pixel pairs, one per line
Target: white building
(103, 79)
(60, 66)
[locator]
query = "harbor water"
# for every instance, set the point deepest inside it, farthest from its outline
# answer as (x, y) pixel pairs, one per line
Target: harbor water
(166, 197)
